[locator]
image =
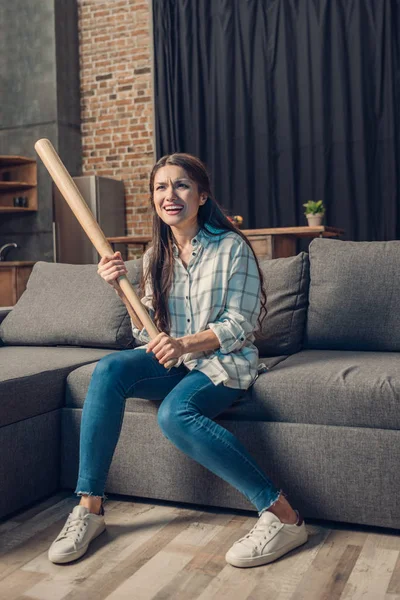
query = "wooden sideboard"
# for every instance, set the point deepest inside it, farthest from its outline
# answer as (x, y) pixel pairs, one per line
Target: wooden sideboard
(13, 279)
(278, 242)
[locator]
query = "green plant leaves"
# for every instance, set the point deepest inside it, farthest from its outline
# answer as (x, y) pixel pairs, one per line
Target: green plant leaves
(313, 208)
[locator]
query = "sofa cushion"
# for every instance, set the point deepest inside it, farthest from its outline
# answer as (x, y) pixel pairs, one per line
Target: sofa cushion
(354, 295)
(324, 387)
(32, 379)
(78, 383)
(328, 387)
(286, 282)
(70, 305)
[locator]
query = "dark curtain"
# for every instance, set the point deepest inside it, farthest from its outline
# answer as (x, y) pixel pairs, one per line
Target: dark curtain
(286, 101)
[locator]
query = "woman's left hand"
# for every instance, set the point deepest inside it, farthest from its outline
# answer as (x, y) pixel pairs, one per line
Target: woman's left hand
(165, 347)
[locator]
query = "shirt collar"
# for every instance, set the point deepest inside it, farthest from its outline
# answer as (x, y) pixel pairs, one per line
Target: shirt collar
(202, 238)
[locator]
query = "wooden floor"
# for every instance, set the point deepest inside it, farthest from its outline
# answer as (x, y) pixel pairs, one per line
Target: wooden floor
(165, 551)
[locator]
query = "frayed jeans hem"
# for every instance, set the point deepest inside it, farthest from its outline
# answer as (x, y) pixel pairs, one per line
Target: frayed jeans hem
(260, 512)
(103, 496)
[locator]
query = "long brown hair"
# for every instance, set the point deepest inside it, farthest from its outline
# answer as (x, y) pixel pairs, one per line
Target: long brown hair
(161, 265)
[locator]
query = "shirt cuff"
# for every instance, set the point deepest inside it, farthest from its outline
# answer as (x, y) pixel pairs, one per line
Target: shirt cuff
(231, 335)
(141, 334)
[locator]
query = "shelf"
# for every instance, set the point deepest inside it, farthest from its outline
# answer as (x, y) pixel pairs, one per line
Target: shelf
(15, 185)
(10, 160)
(15, 209)
(16, 263)
(18, 177)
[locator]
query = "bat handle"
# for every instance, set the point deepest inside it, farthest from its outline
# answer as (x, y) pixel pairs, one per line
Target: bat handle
(171, 363)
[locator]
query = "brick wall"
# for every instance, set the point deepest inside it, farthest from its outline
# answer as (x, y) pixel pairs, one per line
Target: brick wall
(117, 100)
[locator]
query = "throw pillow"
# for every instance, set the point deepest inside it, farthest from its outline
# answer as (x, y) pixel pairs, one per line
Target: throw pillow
(286, 282)
(70, 305)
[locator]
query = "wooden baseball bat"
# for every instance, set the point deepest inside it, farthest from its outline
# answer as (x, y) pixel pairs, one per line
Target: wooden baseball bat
(82, 212)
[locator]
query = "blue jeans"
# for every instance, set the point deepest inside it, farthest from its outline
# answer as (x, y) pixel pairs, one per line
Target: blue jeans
(190, 400)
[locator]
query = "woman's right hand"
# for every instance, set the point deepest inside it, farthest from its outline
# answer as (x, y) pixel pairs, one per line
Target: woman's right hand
(112, 267)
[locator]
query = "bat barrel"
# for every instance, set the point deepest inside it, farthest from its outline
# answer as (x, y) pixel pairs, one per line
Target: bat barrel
(72, 195)
(82, 212)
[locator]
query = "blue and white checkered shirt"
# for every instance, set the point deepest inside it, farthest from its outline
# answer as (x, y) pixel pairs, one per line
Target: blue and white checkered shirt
(219, 290)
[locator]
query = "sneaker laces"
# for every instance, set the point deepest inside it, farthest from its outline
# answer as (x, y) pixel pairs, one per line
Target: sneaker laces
(72, 527)
(259, 533)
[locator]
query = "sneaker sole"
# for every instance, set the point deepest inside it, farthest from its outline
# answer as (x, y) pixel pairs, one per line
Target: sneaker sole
(265, 558)
(70, 556)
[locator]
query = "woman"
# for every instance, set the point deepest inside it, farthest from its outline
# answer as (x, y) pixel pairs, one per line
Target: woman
(202, 285)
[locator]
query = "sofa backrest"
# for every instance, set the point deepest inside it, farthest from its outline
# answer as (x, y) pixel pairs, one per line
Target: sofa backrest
(70, 305)
(354, 296)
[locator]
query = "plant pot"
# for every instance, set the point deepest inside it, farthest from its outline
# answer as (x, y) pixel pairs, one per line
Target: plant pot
(315, 220)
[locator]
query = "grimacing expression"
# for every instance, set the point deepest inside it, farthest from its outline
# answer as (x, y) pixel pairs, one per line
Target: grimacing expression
(176, 197)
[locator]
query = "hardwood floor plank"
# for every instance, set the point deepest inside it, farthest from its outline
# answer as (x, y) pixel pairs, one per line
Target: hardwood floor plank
(279, 579)
(231, 584)
(104, 552)
(173, 552)
(30, 539)
(211, 559)
(394, 583)
(183, 585)
(34, 538)
(235, 583)
(118, 517)
(338, 579)
(389, 541)
(316, 579)
(167, 563)
(17, 583)
(27, 529)
(372, 572)
(206, 563)
(153, 531)
(46, 590)
(7, 526)
(252, 583)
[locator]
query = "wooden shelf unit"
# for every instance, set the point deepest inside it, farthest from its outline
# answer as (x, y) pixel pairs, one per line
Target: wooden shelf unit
(14, 276)
(18, 177)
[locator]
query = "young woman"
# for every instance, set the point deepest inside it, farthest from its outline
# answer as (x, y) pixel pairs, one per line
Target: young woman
(202, 286)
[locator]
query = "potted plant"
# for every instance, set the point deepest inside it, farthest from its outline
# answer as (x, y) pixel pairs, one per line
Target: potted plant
(314, 212)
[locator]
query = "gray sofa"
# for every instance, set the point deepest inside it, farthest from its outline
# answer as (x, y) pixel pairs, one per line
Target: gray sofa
(323, 421)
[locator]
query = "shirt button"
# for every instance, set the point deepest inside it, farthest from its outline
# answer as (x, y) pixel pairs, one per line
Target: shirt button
(194, 241)
(187, 297)
(241, 339)
(194, 253)
(188, 320)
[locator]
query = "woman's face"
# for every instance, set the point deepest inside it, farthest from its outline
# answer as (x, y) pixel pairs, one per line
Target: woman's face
(176, 197)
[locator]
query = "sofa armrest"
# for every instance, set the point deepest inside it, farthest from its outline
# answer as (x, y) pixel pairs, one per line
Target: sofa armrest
(4, 310)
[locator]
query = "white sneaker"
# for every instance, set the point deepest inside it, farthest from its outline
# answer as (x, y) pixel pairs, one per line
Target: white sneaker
(80, 529)
(268, 540)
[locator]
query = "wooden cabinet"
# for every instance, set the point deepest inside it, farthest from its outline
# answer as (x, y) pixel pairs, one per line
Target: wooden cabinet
(18, 179)
(13, 280)
(280, 242)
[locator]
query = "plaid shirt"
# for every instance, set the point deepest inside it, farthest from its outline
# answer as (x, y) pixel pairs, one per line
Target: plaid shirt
(219, 290)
